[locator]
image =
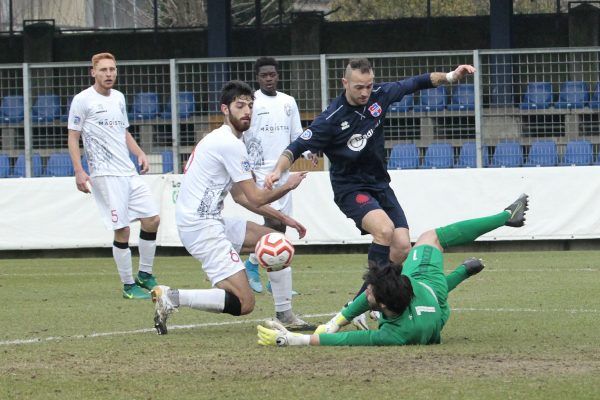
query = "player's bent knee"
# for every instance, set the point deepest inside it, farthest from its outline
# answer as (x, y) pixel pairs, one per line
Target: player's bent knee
(235, 307)
(384, 234)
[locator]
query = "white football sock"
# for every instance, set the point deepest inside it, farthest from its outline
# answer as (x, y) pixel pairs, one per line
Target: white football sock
(147, 249)
(123, 260)
(211, 300)
(281, 285)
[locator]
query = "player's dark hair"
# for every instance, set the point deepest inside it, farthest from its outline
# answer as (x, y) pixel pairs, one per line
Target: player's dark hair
(389, 286)
(361, 64)
(234, 89)
(262, 61)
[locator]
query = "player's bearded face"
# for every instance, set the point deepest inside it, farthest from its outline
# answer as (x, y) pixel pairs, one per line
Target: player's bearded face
(240, 113)
(358, 87)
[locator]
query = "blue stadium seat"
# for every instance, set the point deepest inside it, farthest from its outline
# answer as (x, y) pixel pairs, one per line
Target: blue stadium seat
(135, 162)
(12, 109)
(542, 153)
(404, 105)
(4, 166)
(167, 161)
(404, 156)
(538, 95)
(46, 108)
(432, 99)
(468, 156)
(19, 167)
(65, 117)
(595, 101)
(463, 98)
(438, 155)
(573, 94)
(186, 106)
(578, 152)
(145, 106)
(507, 154)
(59, 164)
(84, 164)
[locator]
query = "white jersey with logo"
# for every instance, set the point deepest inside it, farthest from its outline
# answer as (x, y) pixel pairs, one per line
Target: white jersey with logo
(275, 124)
(218, 161)
(102, 121)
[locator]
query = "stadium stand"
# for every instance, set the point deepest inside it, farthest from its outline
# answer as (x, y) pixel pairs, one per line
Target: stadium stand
(578, 152)
(595, 101)
(403, 105)
(538, 95)
(167, 161)
(463, 98)
(438, 155)
(19, 167)
(4, 166)
(145, 106)
(186, 106)
(65, 117)
(59, 164)
(433, 99)
(507, 154)
(467, 157)
(12, 109)
(404, 156)
(573, 94)
(46, 108)
(542, 153)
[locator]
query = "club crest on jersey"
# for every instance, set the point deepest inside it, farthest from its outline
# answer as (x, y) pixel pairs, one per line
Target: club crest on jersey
(76, 120)
(288, 109)
(307, 134)
(246, 166)
(375, 109)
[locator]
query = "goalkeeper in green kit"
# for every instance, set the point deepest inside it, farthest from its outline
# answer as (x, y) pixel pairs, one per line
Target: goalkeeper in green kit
(412, 299)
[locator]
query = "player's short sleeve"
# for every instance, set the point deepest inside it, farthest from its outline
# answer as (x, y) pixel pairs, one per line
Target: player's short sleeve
(77, 114)
(295, 121)
(237, 162)
(315, 138)
(123, 107)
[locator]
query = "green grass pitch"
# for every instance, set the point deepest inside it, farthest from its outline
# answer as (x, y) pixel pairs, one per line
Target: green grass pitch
(527, 327)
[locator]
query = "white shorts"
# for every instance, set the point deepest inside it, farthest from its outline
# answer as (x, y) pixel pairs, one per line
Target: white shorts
(122, 199)
(216, 244)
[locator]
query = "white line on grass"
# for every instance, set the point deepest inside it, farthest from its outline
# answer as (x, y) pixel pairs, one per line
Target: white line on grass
(254, 321)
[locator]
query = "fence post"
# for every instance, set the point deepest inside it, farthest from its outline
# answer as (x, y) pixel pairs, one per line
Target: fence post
(174, 114)
(478, 107)
(27, 131)
(324, 96)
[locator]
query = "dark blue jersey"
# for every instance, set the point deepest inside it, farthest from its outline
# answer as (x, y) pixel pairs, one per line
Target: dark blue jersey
(352, 136)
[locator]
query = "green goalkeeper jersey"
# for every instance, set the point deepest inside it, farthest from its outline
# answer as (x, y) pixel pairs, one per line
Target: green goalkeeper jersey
(421, 322)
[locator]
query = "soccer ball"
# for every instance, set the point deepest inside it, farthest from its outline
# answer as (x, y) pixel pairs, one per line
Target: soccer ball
(274, 251)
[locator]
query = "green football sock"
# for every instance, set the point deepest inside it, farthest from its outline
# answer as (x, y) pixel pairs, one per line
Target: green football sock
(467, 231)
(456, 277)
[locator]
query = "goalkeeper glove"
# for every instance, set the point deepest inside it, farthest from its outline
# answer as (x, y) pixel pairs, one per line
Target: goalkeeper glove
(333, 325)
(275, 334)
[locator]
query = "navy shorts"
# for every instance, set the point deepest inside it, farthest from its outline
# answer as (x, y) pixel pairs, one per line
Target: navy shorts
(355, 205)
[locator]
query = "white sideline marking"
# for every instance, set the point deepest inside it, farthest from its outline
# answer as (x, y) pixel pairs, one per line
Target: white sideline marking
(254, 321)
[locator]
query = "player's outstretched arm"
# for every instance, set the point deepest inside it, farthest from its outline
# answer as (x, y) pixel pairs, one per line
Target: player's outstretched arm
(259, 197)
(286, 159)
(272, 333)
(442, 78)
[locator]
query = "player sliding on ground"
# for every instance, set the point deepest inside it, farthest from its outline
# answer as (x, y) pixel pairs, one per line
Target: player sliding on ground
(412, 300)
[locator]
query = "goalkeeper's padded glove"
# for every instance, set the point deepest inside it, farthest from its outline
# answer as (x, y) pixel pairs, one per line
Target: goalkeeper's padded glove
(333, 325)
(275, 334)
(360, 322)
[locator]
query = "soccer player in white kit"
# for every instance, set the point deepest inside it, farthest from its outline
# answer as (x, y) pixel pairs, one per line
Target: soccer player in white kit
(99, 115)
(219, 165)
(275, 124)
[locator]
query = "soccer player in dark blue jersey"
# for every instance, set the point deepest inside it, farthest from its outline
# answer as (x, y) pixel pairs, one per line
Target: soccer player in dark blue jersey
(350, 133)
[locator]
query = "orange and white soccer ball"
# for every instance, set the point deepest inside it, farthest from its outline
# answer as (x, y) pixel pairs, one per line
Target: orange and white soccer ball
(274, 251)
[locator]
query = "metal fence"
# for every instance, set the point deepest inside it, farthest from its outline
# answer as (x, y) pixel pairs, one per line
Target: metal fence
(523, 108)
